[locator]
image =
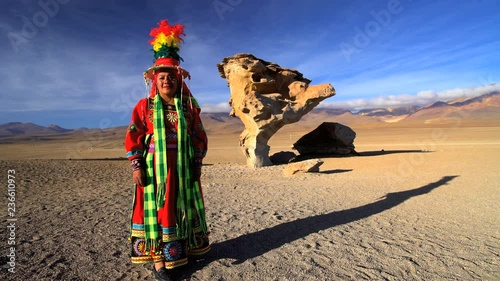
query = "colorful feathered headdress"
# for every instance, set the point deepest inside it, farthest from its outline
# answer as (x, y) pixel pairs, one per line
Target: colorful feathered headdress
(166, 41)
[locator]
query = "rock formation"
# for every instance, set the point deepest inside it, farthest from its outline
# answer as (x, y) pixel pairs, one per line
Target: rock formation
(282, 157)
(329, 138)
(307, 166)
(266, 97)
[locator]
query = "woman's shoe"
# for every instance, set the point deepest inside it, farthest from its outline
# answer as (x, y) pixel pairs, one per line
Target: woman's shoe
(161, 274)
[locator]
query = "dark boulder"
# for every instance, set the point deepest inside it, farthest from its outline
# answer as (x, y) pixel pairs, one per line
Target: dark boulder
(282, 157)
(329, 138)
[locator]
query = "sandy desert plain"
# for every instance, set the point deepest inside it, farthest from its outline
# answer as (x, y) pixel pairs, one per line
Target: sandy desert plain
(421, 202)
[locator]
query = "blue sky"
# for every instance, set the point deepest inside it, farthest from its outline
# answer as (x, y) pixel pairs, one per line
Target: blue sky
(79, 63)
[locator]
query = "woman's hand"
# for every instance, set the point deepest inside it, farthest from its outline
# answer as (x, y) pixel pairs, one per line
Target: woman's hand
(139, 177)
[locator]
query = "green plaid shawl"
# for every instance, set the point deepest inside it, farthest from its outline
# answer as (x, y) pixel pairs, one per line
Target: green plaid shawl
(155, 162)
(189, 194)
(189, 204)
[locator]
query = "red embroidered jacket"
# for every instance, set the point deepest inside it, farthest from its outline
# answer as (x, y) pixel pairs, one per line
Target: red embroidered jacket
(142, 125)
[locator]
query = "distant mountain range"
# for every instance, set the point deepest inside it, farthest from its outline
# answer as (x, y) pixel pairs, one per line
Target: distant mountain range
(18, 128)
(484, 108)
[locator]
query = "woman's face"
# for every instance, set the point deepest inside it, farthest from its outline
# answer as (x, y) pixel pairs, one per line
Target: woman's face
(167, 83)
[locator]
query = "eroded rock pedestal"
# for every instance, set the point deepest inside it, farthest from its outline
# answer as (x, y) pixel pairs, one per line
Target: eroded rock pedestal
(266, 97)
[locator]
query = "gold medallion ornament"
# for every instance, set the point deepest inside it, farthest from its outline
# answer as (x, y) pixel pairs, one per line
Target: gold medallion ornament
(171, 117)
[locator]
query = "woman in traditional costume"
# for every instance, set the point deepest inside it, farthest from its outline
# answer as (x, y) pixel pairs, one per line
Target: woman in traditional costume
(166, 143)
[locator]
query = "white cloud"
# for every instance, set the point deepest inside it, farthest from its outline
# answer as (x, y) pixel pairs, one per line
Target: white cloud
(427, 95)
(421, 98)
(220, 107)
(73, 76)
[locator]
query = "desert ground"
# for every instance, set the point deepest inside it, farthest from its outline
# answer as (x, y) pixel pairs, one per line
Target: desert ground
(419, 203)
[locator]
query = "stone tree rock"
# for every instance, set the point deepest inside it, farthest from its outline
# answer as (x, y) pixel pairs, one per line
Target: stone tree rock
(329, 138)
(266, 97)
